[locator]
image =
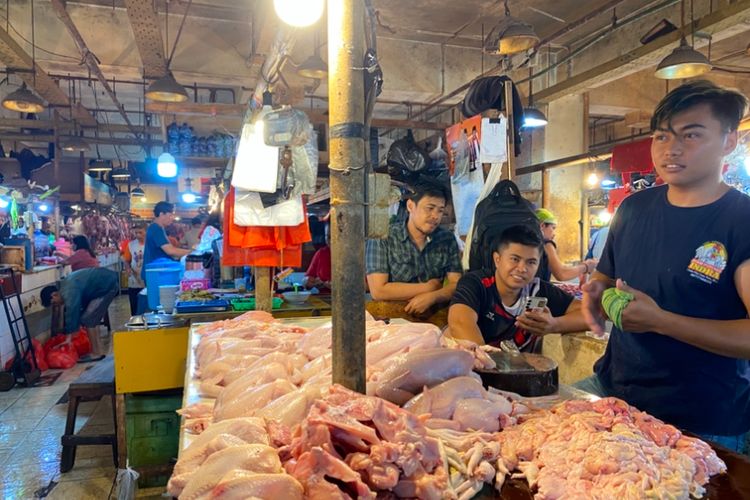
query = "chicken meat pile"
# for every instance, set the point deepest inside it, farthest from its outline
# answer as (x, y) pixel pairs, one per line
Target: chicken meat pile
(272, 425)
(606, 449)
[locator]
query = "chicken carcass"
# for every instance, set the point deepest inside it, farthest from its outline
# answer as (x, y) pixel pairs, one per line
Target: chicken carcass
(409, 373)
(244, 485)
(249, 430)
(248, 402)
(249, 457)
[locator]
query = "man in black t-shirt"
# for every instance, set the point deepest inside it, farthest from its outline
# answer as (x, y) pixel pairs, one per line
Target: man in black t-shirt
(488, 308)
(683, 251)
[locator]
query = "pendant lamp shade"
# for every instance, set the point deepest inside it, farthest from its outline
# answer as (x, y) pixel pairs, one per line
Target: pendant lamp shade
(24, 101)
(120, 173)
(313, 67)
(509, 37)
(533, 118)
(166, 89)
(100, 165)
(75, 144)
(683, 62)
(137, 192)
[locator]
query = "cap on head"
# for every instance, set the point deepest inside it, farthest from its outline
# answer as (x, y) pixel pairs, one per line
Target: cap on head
(546, 216)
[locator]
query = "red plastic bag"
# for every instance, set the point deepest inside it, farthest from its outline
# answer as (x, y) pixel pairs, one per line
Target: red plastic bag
(81, 342)
(62, 356)
(39, 354)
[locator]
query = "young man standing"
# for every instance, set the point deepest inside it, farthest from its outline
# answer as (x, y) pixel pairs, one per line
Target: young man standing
(489, 308)
(683, 251)
(157, 246)
(133, 264)
(417, 257)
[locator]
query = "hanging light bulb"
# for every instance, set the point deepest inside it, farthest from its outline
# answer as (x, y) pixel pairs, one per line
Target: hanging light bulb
(299, 13)
(166, 166)
(166, 89)
(592, 180)
(510, 36)
(313, 67)
(604, 217)
(24, 101)
(144, 199)
(4, 203)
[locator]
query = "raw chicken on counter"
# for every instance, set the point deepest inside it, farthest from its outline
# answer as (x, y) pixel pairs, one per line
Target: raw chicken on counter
(606, 449)
(279, 429)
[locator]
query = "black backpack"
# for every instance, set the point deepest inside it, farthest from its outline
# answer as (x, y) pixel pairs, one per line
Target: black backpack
(504, 207)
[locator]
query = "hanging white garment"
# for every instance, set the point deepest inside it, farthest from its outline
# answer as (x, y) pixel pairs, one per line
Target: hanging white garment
(493, 144)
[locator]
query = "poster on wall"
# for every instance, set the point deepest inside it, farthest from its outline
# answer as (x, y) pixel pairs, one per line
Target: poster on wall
(467, 176)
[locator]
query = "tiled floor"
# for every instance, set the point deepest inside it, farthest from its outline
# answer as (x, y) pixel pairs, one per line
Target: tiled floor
(31, 424)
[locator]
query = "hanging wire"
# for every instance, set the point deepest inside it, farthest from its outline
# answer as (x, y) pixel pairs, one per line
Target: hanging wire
(33, 46)
(179, 32)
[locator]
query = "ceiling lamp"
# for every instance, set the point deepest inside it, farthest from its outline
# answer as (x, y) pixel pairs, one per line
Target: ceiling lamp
(137, 192)
(166, 166)
(166, 89)
(683, 62)
(24, 101)
(75, 144)
(510, 36)
(299, 13)
(100, 165)
(313, 67)
(533, 118)
(120, 173)
(189, 196)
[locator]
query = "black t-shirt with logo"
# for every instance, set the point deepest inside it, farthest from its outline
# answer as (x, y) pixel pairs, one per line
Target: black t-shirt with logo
(685, 259)
(477, 289)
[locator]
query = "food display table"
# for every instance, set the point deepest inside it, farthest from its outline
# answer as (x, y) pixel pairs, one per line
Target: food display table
(735, 484)
(314, 306)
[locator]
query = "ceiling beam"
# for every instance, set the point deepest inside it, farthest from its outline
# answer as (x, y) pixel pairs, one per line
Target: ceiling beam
(726, 22)
(91, 60)
(238, 111)
(12, 123)
(145, 23)
(117, 141)
(15, 58)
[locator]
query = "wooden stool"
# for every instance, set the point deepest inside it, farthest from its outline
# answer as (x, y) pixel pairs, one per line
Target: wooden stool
(94, 383)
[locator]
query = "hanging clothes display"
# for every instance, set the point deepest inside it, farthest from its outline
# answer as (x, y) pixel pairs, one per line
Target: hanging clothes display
(262, 245)
(493, 146)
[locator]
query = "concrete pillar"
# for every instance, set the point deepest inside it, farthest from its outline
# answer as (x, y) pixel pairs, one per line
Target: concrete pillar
(565, 135)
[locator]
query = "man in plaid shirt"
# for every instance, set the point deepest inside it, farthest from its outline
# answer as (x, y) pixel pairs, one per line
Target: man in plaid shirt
(419, 261)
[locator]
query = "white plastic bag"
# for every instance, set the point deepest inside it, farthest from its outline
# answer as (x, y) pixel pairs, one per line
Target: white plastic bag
(304, 171)
(256, 167)
(249, 211)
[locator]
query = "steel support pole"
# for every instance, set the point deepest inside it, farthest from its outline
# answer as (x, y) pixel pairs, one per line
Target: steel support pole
(346, 48)
(511, 134)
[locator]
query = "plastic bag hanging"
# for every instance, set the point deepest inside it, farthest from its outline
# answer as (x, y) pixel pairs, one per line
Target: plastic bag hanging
(256, 167)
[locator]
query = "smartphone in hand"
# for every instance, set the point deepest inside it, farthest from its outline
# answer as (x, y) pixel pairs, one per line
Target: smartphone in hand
(536, 303)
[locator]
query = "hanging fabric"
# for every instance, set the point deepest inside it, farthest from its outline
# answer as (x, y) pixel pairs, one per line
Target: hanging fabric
(493, 146)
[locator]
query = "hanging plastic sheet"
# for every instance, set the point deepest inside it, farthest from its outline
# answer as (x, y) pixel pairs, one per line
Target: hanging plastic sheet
(256, 167)
(249, 210)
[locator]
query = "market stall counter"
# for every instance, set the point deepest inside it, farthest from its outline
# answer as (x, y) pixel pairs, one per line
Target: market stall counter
(229, 408)
(314, 306)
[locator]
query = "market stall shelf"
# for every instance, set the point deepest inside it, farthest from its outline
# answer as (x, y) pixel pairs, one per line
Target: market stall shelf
(315, 306)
